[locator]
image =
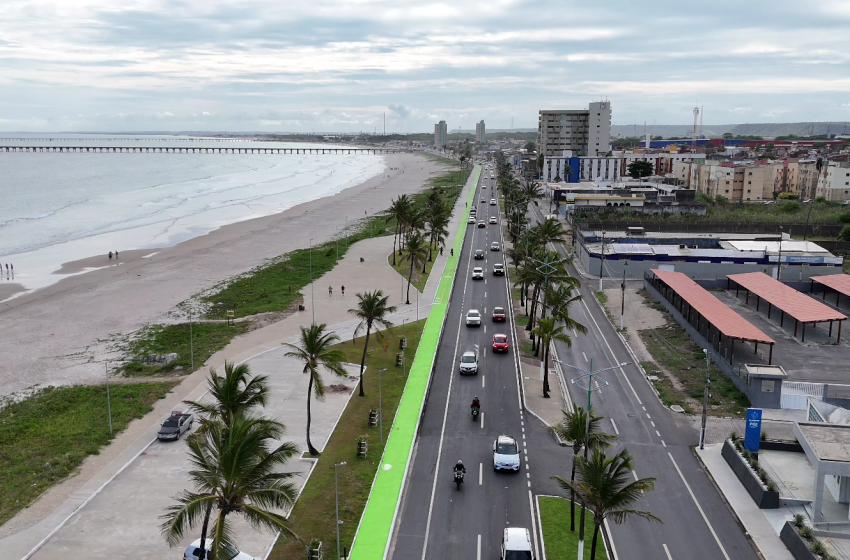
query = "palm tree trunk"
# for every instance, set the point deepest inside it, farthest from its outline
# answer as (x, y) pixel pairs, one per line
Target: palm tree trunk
(409, 277)
(573, 494)
(595, 537)
(204, 532)
(546, 370)
(395, 236)
(310, 447)
(363, 359)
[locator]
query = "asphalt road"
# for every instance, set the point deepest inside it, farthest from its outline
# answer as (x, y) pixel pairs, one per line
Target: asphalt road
(696, 522)
(436, 520)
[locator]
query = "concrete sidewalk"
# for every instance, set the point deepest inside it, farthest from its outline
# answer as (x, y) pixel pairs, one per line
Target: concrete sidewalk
(145, 474)
(758, 528)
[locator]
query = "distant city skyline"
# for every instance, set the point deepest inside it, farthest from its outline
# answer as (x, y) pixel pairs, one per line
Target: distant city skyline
(212, 65)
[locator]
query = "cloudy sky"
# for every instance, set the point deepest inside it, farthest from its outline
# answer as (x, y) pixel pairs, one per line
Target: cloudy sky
(324, 65)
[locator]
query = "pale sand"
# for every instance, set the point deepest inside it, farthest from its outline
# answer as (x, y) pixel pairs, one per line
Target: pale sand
(51, 336)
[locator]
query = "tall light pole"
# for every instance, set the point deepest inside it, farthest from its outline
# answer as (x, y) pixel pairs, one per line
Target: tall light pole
(602, 261)
(108, 400)
(336, 493)
(312, 292)
(403, 350)
(381, 406)
(191, 345)
(591, 385)
(623, 301)
(705, 400)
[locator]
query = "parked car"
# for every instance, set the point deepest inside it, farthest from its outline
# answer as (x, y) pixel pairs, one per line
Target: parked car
(175, 425)
(482, 223)
(473, 318)
(494, 246)
(230, 553)
(498, 269)
(493, 220)
(516, 544)
(478, 273)
(505, 454)
(469, 363)
(479, 254)
(470, 220)
(500, 343)
(499, 315)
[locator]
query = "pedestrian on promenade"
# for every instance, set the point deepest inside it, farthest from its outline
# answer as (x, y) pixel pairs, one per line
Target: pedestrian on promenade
(343, 290)
(330, 290)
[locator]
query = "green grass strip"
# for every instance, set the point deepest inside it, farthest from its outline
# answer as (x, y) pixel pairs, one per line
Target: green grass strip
(560, 542)
(376, 524)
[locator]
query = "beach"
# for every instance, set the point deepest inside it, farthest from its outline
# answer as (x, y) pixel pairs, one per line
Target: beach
(65, 332)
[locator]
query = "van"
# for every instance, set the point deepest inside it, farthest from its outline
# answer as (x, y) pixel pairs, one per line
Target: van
(516, 544)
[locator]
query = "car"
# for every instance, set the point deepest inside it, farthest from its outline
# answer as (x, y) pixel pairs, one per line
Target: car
(175, 425)
(479, 254)
(505, 454)
(500, 342)
(230, 553)
(498, 269)
(499, 314)
(477, 273)
(483, 200)
(473, 210)
(482, 224)
(516, 544)
(494, 246)
(493, 220)
(492, 202)
(470, 220)
(473, 318)
(469, 363)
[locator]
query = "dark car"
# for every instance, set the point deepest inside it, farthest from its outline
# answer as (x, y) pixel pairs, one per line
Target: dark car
(479, 254)
(174, 427)
(482, 224)
(499, 314)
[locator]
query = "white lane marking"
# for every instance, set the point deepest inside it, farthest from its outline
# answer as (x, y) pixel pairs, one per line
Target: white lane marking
(527, 474)
(485, 329)
(482, 420)
(585, 356)
(694, 498)
(482, 381)
(667, 552)
(479, 547)
(653, 423)
(616, 431)
(485, 352)
(657, 433)
(485, 294)
(662, 442)
(480, 474)
(485, 283)
(644, 408)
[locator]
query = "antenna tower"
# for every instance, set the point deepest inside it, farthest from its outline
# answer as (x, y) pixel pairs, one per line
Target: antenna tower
(696, 121)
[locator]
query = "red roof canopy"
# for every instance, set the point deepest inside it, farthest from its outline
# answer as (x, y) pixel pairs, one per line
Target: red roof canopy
(838, 282)
(715, 311)
(796, 304)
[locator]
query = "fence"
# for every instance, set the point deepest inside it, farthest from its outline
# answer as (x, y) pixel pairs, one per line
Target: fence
(796, 394)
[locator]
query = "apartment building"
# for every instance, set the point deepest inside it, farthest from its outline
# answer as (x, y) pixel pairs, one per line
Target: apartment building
(441, 133)
(834, 182)
(807, 179)
(582, 132)
(480, 132)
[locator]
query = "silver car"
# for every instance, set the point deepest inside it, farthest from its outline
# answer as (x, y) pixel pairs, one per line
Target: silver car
(469, 363)
(473, 318)
(477, 273)
(505, 454)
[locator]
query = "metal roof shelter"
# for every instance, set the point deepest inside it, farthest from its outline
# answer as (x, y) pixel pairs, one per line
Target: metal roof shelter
(801, 307)
(693, 299)
(840, 283)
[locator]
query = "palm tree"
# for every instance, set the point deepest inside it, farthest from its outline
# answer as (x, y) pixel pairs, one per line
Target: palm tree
(606, 486)
(573, 429)
(415, 252)
(235, 469)
(234, 393)
(316, 350)
(438, 222)
(548, 330)
(399, 208)
(372, 309)
(549, 231)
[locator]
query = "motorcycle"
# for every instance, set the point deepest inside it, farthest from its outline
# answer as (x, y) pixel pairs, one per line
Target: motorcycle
(458, 478)
(475, 411)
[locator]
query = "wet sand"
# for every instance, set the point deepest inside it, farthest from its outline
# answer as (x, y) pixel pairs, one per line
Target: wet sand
(60, 333)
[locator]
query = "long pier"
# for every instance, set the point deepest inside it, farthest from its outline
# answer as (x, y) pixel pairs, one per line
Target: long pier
(182, 150)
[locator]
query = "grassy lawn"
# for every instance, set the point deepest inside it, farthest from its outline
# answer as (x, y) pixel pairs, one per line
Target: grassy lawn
(419, 279)
(45, 438)
(207, 339)
(603, 299)
(561, 543)
(674, 349)
(521, 320)
(526, 349)
(313, 515)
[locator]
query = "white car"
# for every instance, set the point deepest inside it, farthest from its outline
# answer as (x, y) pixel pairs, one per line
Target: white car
(493, 220)
(492, 202)
(230, 553)
(516, 544)
(470, 220)
(505, 454)
(494, 246)
(477, 273)
(473, 318)
(469, 363)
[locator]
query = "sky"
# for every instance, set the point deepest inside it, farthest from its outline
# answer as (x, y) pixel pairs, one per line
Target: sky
(322, 65)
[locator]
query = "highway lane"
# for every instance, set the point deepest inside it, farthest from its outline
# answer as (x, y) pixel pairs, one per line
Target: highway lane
(435, 519)
(697, 523)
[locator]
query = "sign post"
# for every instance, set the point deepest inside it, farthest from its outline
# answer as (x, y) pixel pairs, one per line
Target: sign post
(752, 435)
(230, 316)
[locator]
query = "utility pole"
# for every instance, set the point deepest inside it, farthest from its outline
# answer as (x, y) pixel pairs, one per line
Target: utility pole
(380, 406)
(705, 400)
(312, 293)
(108, 400)
(602, 261)
(191, 345)
(623, 303)
(336, 493)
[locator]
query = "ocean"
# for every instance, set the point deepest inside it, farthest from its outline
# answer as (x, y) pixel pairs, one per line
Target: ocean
(61, 207)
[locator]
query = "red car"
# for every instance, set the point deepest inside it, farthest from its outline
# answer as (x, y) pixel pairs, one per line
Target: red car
(499, 314)
(500, 343)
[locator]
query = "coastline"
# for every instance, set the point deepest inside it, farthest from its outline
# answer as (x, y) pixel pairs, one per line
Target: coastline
(63, 333)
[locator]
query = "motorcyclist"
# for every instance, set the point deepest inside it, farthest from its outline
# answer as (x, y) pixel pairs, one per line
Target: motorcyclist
(459, 467)
(475, 402)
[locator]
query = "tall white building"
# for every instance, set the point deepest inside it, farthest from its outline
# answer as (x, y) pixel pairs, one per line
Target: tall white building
(834, 182)
(583, 132)
(480, 133)
(440, 134)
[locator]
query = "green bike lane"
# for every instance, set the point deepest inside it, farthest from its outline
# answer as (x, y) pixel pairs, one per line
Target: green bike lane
(373, 533)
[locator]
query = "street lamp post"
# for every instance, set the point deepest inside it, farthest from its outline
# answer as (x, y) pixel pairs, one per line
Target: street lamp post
(381, 406)
(705, 400)
(602, 262)
(312, 293)
(191, 345)
(403, 350)
(108, 400)
(592, 385)
(336, 493)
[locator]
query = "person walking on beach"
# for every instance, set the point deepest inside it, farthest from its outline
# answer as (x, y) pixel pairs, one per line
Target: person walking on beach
(330, 290)
(116, 255)
(343, 290)
(110, 255)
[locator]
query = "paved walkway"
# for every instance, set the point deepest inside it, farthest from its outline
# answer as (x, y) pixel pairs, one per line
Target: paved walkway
(118, 506)
(756, 524)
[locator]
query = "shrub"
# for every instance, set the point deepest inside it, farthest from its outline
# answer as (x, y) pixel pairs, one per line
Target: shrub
(844, 217)
(818, 548)
(733, 436)
(788, 196)
(771, 487)
(747, 455)
(806, 533)
(845, 234)
(790, 206)
(763, 435)
(799, 520)
(722, 200)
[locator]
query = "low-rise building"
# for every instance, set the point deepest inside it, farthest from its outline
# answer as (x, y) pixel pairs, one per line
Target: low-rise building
(834, 182)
